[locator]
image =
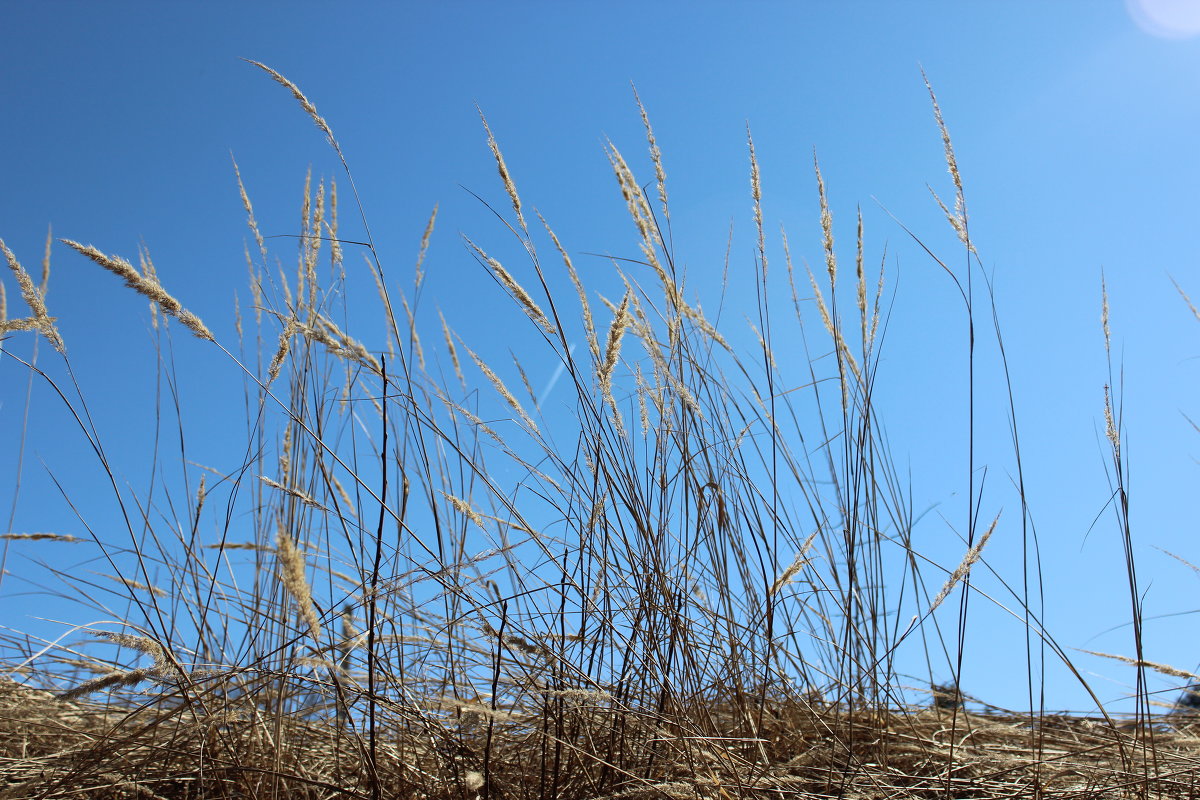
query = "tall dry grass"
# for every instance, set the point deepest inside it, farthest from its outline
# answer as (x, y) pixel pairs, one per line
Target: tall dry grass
(698, 583)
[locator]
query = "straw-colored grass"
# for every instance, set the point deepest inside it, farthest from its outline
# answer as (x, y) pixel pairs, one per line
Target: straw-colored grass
(687, 578)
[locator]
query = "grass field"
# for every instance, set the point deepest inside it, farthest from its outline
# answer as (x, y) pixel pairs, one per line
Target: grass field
(421, 581)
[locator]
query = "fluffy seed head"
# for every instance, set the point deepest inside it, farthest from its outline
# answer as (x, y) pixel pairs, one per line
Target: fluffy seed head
(502, 390)
(305, 103)
(34, 298)
(965, 567)
(532, 310)
(660, 175)
(452, 350)
(145, 286)
(292, 575)
(509, 186)
(419, 272)
(612, 349)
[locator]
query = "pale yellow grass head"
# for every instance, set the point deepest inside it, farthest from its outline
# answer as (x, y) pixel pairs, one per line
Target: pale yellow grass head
(295, 581)
(144, 285)
(35, 299)
(305, 103)
(509, 186)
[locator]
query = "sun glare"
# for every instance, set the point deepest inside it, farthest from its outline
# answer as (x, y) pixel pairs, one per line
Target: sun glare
(1170, 19)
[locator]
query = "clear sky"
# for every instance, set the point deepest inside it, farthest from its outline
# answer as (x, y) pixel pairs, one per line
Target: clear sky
(1075, 124)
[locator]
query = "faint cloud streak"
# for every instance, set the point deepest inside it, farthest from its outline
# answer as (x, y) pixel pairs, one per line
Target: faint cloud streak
(562, 365)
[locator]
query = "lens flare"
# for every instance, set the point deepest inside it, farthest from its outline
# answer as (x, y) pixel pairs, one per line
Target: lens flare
(1169, 19)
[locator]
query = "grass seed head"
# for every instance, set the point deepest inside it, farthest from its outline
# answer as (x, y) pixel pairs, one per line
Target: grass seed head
(305, 103)
(660, 174)
(531, 308)
(145, 286)
(295, 581)
(35, 299)
(509, 186)
(612, 349)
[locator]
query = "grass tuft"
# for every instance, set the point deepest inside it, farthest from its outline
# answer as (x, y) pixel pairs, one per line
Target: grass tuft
(428, 601)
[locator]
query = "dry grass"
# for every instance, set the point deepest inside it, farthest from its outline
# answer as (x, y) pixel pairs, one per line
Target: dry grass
(72, 748)
(702, 604)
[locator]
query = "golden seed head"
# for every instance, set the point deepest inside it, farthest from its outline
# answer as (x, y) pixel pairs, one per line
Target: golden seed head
(509, 186)
(305, 103)
(503, 391)
(34, 298)
(292, 575)
(453, 351)
(612, 349)
(531, 308)
(660, 174)
(144, 285)
(826, 227)
(425, 237)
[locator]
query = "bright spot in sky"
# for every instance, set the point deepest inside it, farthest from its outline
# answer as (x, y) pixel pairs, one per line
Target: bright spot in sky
(1170, 19)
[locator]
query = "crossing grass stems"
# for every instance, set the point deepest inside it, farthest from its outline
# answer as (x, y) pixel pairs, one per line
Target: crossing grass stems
(682, 596)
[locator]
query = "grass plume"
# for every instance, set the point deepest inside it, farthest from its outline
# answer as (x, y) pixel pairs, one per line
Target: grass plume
(145, 285)
(34, 299)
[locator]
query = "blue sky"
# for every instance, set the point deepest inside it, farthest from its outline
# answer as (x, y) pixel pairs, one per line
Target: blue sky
(1075, 125)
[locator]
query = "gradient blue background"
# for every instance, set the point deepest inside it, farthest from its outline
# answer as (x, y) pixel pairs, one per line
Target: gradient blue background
(1075, 128)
